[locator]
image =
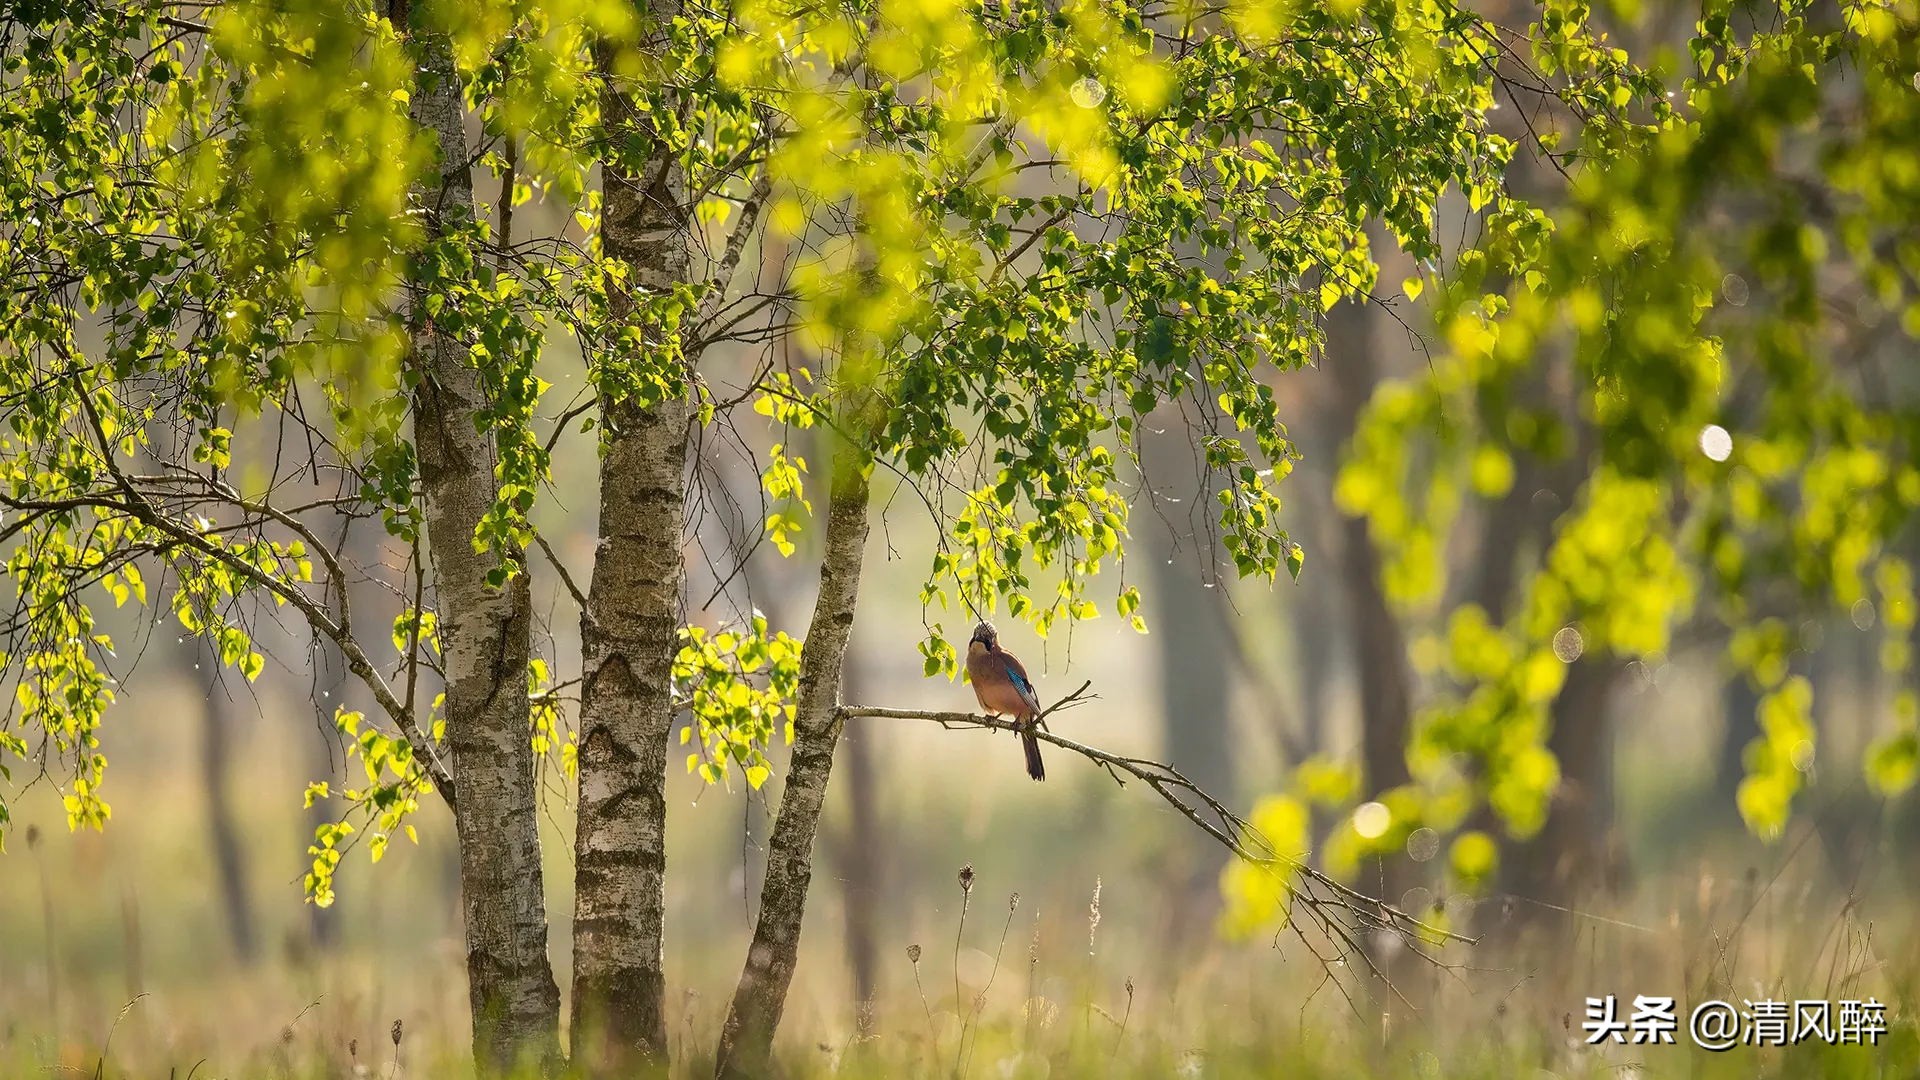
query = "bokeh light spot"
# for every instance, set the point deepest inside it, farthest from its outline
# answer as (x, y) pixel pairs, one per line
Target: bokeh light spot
(1716, 442)
(1423, 844)
(1370, 820)
(1568, 644)
(1088, 93)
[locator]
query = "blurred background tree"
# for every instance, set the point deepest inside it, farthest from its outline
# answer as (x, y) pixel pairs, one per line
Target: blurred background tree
(1695, 371)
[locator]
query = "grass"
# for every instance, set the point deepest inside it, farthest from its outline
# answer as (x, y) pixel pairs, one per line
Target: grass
(115, 959)
(1004, 993)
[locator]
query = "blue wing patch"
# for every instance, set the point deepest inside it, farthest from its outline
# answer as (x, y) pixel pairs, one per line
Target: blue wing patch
(1019, 681)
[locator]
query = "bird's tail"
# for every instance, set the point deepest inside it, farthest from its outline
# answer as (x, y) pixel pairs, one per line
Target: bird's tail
(1031, 743)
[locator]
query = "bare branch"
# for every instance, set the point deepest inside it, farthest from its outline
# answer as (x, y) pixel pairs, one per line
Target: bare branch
(561, 568)
(138, 507)
(1341, 912)
(715, 300)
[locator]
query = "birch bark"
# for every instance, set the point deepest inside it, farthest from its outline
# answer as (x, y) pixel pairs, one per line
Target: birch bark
(628, 640)
(746, 1041)
(485, 634)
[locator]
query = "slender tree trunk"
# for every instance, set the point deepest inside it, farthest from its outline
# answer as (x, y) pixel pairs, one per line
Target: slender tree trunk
(1386, 695)
(857, 856)
(229, 859)
(1386, 706)
(1380, 650)
(629, 636)
(746, 1041)
(1316, 614)
(1386, 701)
(1574, 853)
(1194, 646)
(1506, 526)
(1196, 682)
(1740, 708)
(485, 634)
(1196, 688)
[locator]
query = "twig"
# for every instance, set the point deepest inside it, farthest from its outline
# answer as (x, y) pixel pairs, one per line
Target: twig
(1343, 913)
(141, 509)
(561, 569)
(711, 304)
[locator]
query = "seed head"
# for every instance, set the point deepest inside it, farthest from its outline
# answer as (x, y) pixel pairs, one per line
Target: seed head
(1093, 916)
(966, 878)
(397, 1031)
(913, 954)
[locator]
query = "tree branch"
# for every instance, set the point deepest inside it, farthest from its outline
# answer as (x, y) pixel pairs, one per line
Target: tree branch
(138, 507)
(1342, 912)
(715, 300)
(559, 567)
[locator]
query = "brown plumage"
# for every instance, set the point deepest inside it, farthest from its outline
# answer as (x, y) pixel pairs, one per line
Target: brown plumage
(1002, 685)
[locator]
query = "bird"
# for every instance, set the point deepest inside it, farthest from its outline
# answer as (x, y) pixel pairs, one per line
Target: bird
(1001, 683)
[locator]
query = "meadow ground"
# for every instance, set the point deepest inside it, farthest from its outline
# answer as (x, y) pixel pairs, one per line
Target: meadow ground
(118, 957)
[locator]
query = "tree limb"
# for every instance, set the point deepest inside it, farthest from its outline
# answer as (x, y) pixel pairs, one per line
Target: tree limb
(138, 507)
(1342, 912)
(715, 300)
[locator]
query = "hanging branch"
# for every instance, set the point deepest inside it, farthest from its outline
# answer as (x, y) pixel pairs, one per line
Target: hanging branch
(1343, 913)
(143, 502)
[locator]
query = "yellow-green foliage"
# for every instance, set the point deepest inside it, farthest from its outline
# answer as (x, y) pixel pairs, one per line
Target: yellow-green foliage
(1670, 343)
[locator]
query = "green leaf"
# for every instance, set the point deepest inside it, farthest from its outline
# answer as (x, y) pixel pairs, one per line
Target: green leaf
(1893, 763)
(1473, 858)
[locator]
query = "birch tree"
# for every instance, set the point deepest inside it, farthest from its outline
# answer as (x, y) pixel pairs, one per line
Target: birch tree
(257, 235)
(1065, 292)
(484, 624)
(976, 244)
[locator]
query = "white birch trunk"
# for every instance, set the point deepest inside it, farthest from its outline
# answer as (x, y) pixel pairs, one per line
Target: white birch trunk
(485, 635)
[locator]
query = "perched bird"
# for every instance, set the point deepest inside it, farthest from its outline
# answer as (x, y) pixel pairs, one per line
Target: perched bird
(1002, 685)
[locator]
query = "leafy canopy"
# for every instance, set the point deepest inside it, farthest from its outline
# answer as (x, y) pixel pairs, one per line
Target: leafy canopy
(1728, 284)
(994, 236)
